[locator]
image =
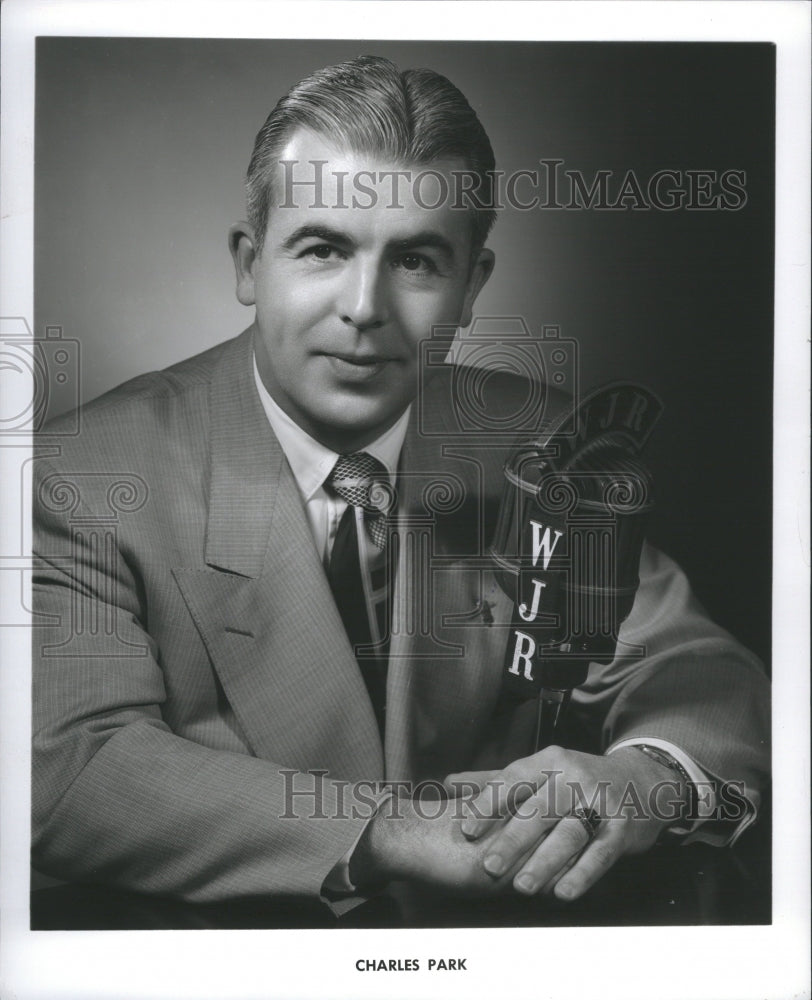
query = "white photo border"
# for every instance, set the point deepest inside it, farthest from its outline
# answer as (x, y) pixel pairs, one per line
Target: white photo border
(673, 963)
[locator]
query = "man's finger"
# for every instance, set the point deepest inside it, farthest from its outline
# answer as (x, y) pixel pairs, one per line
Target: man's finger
(564, 842)
(547, 889)
(520, 836)
(465, 783)
(501, 797)
(592, 865)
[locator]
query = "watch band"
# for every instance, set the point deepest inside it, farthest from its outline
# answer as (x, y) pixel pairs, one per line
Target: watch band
(665, 758)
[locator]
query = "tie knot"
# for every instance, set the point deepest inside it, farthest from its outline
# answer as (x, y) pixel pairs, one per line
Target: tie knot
(361, 481)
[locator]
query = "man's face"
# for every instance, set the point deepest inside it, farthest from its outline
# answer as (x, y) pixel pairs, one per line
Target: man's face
(345, 294)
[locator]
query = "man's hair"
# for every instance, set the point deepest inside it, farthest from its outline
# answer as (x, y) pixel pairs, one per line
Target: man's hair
(367, 105)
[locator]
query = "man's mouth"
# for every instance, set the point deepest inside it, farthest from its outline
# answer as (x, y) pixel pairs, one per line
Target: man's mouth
(357, 367)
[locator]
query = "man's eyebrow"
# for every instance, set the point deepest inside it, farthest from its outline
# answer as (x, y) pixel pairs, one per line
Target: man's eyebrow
(325, 233)
(426, 238)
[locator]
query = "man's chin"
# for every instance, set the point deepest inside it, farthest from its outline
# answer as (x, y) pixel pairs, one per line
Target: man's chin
(347, 426)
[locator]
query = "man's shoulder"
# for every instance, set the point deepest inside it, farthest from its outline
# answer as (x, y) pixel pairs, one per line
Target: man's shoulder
(155, 395)
(160, 420)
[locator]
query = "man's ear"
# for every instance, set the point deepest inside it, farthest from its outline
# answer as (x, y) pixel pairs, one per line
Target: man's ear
(242, 245)
(480, 272)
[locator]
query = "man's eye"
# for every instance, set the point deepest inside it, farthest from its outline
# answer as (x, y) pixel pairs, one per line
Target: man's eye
(320, 252)
(415, 263)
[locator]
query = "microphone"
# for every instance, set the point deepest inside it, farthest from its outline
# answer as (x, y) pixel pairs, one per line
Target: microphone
(566, 549)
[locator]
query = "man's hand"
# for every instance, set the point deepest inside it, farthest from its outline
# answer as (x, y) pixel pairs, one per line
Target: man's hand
(424, 843)
(524, 817)
(517, 827)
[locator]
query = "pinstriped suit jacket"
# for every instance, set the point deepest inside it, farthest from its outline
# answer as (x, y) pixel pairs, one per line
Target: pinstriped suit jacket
(191, 660)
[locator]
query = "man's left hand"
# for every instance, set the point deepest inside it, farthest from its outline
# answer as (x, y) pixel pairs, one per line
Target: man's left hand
(625, 801)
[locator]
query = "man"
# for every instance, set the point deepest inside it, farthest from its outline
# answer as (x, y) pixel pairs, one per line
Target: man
(215, 548)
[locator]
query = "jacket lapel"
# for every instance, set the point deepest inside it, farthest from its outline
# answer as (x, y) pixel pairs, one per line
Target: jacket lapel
(445, 660)
(263, 605)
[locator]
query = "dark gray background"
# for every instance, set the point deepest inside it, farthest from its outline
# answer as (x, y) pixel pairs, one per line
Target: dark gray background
(141, 149)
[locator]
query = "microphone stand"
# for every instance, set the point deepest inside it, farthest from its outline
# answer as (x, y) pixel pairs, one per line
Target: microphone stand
(551, 706)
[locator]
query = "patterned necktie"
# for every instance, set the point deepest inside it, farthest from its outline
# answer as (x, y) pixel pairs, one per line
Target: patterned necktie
(361, 481)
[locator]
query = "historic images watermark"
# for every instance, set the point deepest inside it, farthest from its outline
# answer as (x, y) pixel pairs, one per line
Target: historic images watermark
(41, 376)
(42, 393)
(551, 185)
(305, 797)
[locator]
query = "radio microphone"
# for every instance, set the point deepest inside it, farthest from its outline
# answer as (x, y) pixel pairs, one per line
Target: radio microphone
(567, 544)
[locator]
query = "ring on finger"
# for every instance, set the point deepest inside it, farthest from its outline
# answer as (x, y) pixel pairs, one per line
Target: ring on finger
(589, 820)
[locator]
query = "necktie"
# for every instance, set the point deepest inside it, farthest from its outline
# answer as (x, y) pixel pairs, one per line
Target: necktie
(361, 481)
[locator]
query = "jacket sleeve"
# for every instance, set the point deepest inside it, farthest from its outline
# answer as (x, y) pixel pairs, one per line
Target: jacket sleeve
(684, 680)
(118, 797)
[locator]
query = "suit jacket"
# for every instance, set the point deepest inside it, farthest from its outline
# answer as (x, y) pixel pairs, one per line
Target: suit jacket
(191, 669)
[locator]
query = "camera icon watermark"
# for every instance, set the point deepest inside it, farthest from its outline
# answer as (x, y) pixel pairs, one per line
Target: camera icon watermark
(481, 403)
(41, 377)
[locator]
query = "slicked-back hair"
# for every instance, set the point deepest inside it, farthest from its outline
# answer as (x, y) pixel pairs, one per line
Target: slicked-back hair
(367, 105)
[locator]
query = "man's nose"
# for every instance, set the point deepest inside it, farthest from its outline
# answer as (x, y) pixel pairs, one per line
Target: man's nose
(363, 300)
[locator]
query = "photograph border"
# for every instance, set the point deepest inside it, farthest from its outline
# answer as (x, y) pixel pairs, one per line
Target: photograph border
(667, 962)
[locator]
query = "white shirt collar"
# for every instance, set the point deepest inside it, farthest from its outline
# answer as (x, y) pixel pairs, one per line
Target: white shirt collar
(310, 462)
